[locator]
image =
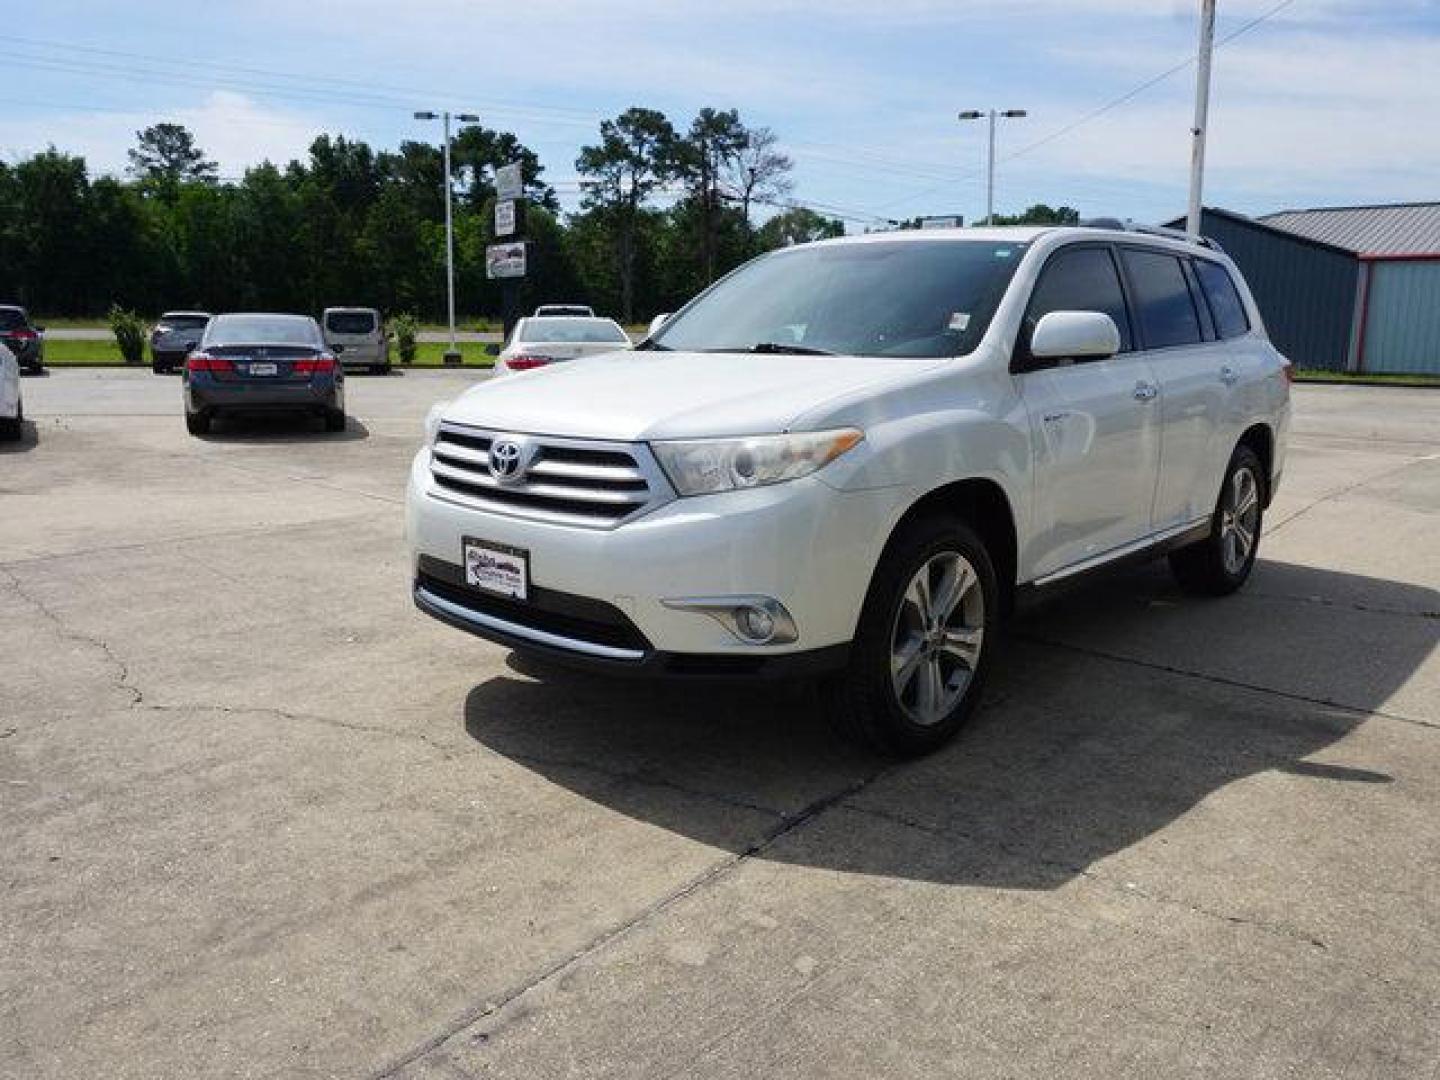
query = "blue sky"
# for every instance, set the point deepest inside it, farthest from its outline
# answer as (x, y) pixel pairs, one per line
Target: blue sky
(1324, 102)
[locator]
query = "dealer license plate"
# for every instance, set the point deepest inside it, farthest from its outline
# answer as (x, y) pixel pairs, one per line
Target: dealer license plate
(497, 568)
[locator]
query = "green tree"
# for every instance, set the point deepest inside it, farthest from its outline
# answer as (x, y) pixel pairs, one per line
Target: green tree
(476, 152)
(701, 161)
(631, 161)
(165, 156)
(798, 225)
(1041, 214)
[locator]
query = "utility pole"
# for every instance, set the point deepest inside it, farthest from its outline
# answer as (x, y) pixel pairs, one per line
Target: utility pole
(453, 355)
(1202, 114)
(991, 115)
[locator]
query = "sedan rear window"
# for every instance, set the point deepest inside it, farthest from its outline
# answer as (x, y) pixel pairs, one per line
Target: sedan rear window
(10, 319)
(262, 330)
(350, 322)
(184, 322)
(573, 330)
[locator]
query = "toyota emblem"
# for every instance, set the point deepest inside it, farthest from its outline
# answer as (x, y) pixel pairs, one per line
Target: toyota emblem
(506, 459)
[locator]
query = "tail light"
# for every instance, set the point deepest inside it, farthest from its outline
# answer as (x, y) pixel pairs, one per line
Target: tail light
(199, 361)
(1289, 369)
(322, 364)
(526, 361)
(23, 335)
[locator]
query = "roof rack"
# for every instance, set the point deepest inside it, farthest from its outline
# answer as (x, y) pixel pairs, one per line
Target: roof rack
(1150, 230)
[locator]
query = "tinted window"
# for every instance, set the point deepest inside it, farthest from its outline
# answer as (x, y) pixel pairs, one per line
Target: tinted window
(1224, 299)
(912, 298)
(1081, 279)
(10, 319)
(262, 330)
(570, 329)
(350, 322)
(184, 322)
(1163, 302)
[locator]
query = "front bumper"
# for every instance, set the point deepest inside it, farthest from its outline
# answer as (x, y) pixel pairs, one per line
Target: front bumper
(805, 544)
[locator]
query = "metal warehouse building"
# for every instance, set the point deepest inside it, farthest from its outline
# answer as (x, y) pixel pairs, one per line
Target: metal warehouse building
(1348, 288)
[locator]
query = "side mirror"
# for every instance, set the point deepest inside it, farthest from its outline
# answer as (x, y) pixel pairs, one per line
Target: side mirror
(1074, 335)
(492, 349)
(656, 323)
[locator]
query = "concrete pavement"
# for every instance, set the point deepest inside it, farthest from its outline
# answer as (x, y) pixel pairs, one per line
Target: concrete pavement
(262, 819)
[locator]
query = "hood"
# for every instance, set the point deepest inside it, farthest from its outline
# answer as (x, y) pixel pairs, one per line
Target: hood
(635, 396)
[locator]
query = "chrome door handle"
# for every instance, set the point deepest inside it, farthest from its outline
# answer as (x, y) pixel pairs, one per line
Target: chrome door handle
(1146, 391)
(1228, 375)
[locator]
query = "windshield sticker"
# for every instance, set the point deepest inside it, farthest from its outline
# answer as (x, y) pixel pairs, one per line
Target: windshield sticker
(1002, 253)
(960, 320)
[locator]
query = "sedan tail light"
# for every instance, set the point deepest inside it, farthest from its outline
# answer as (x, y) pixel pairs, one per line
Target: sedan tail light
(324, 363)
(526, 361)
(199, 361)
(23, 335)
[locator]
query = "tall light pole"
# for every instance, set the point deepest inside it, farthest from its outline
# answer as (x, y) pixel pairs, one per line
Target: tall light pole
(1202, 114)
(453, 356)
(992, 114)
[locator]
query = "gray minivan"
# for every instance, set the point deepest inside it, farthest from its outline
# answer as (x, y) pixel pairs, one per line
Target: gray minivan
(357, 338)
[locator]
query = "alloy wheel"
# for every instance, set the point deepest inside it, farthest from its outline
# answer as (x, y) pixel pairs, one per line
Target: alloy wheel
(937, 636)
(1239, 519)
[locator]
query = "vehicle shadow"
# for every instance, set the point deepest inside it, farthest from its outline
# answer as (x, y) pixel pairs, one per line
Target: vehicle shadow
(281, 428)
(1075, 756)
(29, 439)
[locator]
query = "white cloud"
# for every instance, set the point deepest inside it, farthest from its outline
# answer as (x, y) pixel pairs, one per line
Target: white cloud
(234, 130)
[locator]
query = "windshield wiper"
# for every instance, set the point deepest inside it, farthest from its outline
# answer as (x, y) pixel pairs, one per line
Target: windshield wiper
(775, 348)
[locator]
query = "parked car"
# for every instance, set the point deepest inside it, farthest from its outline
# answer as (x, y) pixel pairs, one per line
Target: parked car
(22, 338)
(584, 311)
(12, 406)
(536, 342)
(252, 362)
(847, 458)
(357, 337)
(172, 338)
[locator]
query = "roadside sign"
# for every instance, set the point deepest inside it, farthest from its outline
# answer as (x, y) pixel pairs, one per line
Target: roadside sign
(505, 217)
(505, 261)
(952, 221)
(509, 184)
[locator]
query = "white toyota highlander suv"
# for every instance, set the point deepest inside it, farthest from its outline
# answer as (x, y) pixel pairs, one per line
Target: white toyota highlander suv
(845, 458)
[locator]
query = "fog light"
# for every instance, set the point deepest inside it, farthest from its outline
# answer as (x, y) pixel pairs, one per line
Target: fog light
(754, 620)
(755, 624)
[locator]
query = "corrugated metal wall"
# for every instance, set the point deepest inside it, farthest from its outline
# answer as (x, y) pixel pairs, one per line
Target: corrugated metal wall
(1306, 293)
(1402, 328)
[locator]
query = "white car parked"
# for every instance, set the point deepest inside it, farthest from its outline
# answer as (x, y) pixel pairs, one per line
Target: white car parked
(539, 342)
(12, 407)
(846, 458)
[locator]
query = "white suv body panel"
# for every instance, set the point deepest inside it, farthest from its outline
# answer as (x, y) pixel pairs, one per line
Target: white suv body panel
(1088, 469)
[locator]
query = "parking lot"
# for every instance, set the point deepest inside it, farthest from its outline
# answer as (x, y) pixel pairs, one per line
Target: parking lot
(263, 819)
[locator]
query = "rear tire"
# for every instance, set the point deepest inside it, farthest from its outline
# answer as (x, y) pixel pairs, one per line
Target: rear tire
(157, 368)
(335, 420)
(197, 423)
(1221, 563)
(12, 427)
(922, 649)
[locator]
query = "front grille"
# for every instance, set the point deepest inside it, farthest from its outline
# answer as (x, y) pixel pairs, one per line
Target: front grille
(566, 481)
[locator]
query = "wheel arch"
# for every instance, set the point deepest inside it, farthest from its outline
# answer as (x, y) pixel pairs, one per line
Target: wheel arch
(1260, 439)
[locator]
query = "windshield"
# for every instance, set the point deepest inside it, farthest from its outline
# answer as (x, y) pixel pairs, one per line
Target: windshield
(920, 298)
(262, 330)
(350, 322)
(568, 330)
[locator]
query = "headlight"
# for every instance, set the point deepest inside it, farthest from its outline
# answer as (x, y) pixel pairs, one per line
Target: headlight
(432, 420)
(703, 466)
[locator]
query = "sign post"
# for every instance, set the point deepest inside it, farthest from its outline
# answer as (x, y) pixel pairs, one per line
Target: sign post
(506, 262)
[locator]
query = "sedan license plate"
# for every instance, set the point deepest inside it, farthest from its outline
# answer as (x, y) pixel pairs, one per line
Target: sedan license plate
(497, 568)
(263, 369)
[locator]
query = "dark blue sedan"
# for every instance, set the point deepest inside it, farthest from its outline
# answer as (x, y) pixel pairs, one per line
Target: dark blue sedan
(262, 363)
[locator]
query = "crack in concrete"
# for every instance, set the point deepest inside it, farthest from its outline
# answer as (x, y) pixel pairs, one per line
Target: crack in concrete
(123, 682)
(1347, 489)
(495, 1004)
(1221, 680)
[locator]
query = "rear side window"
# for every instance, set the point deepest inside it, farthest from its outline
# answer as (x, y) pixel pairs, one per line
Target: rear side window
(1081, 279)
(1223, 298)
(1164, 306)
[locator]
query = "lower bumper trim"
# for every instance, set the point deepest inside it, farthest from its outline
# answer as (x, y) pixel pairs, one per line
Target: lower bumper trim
(505, 630)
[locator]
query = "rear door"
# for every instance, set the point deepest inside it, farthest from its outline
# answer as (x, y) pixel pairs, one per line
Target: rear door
(353, 335)
(1176, 330)
(1094, 423)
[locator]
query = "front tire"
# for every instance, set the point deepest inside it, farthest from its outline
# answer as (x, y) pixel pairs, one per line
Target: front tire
(922, 648)
(1221, 563)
